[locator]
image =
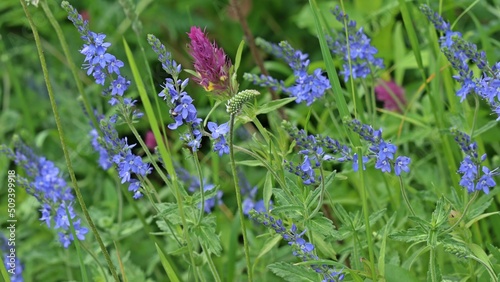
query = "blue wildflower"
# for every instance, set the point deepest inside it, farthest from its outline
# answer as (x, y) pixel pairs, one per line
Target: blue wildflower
(182, 109)
(356, 50)
(218, 133)
(300, 247)
(380, 149)
(169, 65)
(459, 53)
(104, 161)
(401, 164)
(307, 88)
(315, 149)
(45, 183)
(102, 65)
(469, 166)
(119, 152)
(486, 181)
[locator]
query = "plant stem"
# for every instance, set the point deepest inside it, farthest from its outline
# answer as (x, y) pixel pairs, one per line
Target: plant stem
(146, 150)
(321, 195)
(63, 143)
(202, 188)
(211, 264)
(463, 213)
(366, 215)
(238, 196)
(432, 265)
(405, 197)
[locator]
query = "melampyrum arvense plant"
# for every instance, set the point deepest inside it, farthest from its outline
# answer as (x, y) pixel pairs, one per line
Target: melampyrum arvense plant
(316, 197)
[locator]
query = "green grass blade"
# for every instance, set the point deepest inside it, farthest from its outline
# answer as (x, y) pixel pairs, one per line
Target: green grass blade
(167, 266)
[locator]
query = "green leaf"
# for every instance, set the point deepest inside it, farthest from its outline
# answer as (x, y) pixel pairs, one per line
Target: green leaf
(479, 253)
(287, 209)
(313, 198)
(411, 235)
(495, 252)
(484, 128)
(268, 189)
(374, 217)
(479, 206)
(170, 211)
(419, 221)
(268, 245)
(293, 273)
(342, 214)
(237, 59)
(207, 236)
(250, 163)
(414, 255)
(322, 225)
(330, 177)
(273, 105)
(440, 214)
(166, 265)
(381, 258)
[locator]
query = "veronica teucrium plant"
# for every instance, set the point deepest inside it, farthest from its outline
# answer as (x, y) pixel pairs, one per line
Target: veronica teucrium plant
(361, 148)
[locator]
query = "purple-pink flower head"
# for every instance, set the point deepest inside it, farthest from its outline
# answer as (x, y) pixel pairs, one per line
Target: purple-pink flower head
(210, 62)
(391, 94)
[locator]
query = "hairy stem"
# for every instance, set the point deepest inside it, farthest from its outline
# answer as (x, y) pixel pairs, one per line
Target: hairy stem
(238, 196)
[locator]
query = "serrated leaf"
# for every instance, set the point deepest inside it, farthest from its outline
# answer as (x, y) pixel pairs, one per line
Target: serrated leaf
(273, 105)
(479, 207)
(170, 211)
(281, 197)
(374, 217)
(287, 209)
(312, 199)
(494, 251)
(323, 226)
(293, 273)
(440, 214)
(411, 235)
(205, 233)
(329, 178)
(342, 214)
(294, 190)
(419, 221)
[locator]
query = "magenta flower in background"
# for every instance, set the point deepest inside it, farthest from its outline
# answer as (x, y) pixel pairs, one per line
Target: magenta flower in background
(150, 140)
(391, 94)
(210, 62)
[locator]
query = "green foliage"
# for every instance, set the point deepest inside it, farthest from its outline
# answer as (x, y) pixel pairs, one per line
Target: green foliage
(371, 225)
